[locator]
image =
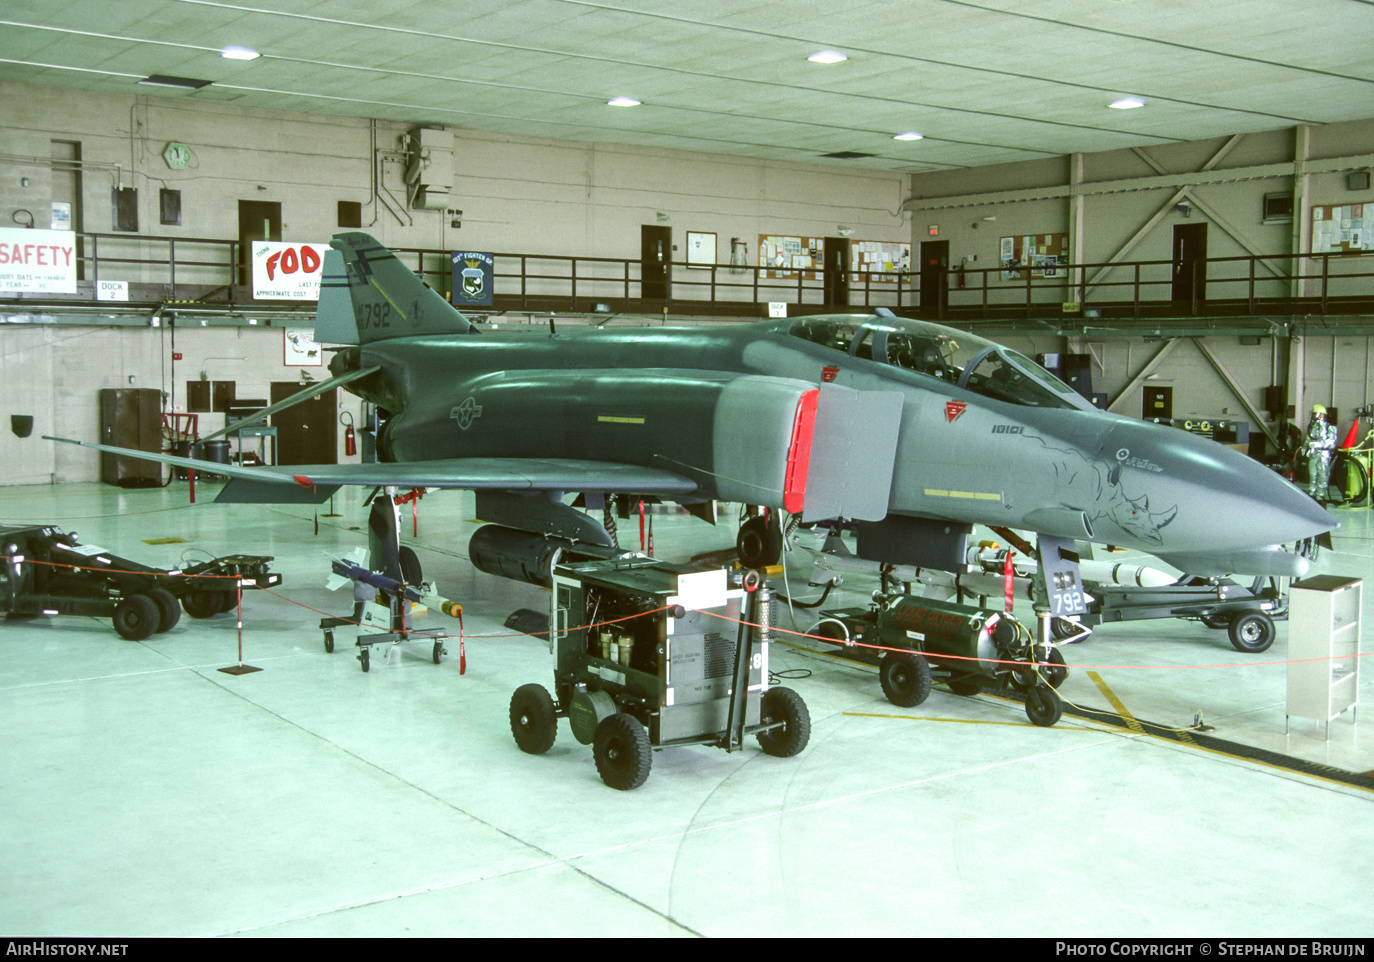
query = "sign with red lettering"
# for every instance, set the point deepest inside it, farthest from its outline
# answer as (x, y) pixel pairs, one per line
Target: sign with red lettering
(37, 260)
(287, 272)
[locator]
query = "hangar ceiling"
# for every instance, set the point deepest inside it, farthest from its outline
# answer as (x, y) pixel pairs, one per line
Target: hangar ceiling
(983, 81)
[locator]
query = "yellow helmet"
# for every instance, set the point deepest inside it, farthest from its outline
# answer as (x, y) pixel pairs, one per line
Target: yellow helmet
(1319, 410)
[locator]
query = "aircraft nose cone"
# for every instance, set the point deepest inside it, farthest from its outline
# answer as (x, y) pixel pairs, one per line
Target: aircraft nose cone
(1177, 492)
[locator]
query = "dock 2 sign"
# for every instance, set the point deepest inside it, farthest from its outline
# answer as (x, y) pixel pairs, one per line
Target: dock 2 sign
(473, 279)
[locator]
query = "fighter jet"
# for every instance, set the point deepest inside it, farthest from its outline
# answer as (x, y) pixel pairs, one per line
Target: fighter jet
(913, 430)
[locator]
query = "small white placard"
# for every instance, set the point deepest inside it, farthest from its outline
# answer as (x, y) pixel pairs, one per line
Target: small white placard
(777, 308)
(111, 290)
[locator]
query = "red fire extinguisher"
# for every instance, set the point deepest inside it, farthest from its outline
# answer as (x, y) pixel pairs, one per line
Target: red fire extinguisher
(350, 438)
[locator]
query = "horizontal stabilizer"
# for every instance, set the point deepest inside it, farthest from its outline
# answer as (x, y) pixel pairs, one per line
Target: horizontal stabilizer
(311, 391)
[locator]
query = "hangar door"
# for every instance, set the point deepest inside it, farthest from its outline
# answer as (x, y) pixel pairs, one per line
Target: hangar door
(259, 220)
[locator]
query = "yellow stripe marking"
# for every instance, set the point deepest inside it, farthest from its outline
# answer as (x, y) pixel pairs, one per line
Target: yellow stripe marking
(609, 419)
(394, 305)
(973, 495)
(1115, 702)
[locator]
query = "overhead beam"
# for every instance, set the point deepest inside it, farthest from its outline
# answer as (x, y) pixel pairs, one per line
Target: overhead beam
(1255, 416)
(1129, 184)
(1144, 372)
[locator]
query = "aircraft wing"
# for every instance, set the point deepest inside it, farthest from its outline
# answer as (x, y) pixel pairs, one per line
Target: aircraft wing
(316, 483)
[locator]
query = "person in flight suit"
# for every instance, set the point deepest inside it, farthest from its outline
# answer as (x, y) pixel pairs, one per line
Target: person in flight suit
(1321, 444)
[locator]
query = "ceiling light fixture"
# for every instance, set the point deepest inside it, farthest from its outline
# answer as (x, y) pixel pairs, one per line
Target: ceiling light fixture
(827, 56)
(239, 53)
(622, 102)
(1127, 103)
(909, 135)
(186, 83)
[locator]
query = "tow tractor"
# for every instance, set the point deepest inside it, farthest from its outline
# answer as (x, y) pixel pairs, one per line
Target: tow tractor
(648, 655)
(49, 572)
(915, 641)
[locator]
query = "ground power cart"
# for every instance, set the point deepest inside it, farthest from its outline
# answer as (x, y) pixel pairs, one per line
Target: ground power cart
(641, 663)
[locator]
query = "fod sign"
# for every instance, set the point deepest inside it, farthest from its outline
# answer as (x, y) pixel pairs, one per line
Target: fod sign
(287, 272)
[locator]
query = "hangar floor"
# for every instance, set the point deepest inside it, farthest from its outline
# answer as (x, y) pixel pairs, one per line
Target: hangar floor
(149, 793)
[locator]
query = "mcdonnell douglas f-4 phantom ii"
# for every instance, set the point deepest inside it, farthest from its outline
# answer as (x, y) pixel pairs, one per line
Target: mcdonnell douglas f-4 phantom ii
(914, 430)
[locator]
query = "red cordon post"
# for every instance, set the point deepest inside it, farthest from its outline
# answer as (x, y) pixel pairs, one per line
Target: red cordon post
(1009, 580)
(240, 668)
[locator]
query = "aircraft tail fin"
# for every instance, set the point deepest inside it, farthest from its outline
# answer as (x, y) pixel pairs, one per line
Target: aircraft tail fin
(367, 294)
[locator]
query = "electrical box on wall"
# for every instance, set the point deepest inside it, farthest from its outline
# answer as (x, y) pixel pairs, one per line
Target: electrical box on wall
(429, 168)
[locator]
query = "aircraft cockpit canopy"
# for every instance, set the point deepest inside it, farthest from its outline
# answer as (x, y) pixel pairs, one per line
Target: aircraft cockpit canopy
(957, 357)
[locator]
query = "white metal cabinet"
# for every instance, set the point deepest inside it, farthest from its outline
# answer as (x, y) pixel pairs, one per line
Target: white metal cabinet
(1324, 647)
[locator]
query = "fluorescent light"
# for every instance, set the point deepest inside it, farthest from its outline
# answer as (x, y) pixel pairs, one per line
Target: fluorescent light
(163, 80)
(239, 53)
(1127, 103)
(909, 135)
(827, 56)
(623, 102)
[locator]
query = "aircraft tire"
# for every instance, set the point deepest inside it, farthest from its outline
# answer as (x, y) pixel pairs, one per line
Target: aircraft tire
(622, 753)
(136, 617)
(168, 609)
(411, 571)
(200, 603)
(905, 677)
(533, 719)
(1063, 628)
(759, 543)
(1043, 706)
(786, 706)
(1251, 631)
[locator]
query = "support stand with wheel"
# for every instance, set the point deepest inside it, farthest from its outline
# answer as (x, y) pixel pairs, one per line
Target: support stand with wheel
(398, 586)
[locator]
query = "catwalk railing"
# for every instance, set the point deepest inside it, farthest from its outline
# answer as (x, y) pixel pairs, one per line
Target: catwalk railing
(163, 271)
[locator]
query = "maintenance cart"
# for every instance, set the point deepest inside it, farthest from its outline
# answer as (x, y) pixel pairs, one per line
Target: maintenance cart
(649, 655)
(915, 641)
(49, 572)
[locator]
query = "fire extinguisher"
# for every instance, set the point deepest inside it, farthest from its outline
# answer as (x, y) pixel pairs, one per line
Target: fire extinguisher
(350, 438)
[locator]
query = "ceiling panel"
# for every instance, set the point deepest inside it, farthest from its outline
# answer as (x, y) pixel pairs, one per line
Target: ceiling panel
(987, 81)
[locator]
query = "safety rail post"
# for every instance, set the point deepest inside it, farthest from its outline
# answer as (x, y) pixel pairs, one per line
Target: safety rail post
(626, 266)
(1251, 299)
(1135, 291)
(713, 289)
(524, 290)
(1029, 298)
(573, 279)
(172, 263)
(95, 260)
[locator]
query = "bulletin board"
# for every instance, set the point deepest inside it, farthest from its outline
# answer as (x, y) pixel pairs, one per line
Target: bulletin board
(885, 262)
(701, 249)
(1041, 254)
(1340, 229)
(783, 256)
